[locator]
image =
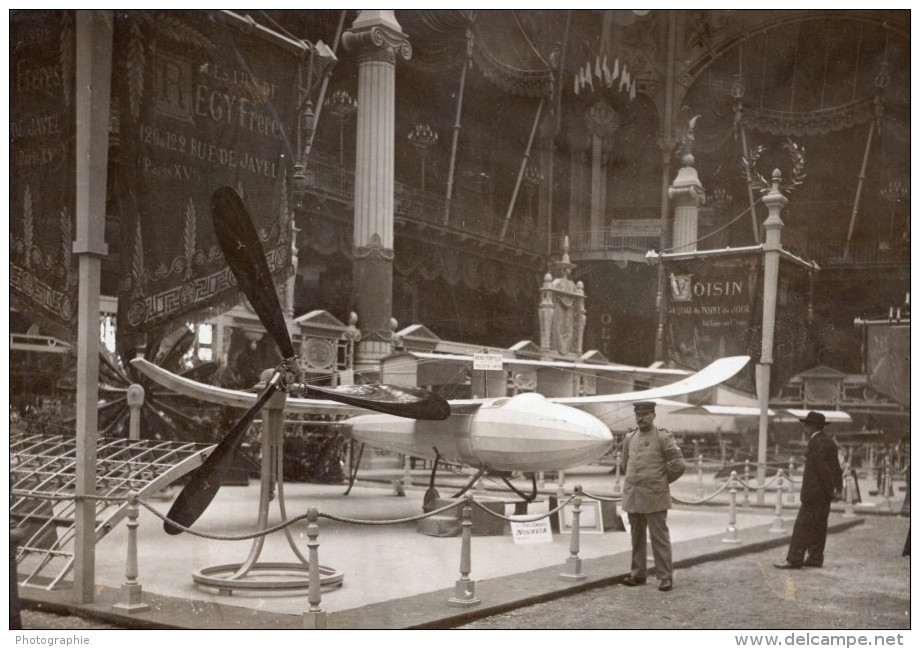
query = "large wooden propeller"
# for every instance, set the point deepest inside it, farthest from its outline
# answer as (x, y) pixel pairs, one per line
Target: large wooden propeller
(239, 242)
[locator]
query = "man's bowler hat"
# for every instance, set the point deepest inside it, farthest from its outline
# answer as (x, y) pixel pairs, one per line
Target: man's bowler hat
(813, 418)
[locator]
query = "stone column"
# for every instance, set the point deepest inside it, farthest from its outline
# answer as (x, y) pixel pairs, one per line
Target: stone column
(377, 39)
(686, 193)
(602, 121)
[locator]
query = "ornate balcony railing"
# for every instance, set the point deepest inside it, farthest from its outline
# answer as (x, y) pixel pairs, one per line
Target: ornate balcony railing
(326, 177)
(627, 235)
(830, 254)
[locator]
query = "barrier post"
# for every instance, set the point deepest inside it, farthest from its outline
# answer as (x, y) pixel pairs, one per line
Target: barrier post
(573, 562)
(699, 474)
(407, 472)
(747, 477)
(132, 595)
(790, 497)
(887, 489)
(617, 490)
(778, 519)
(849, 511)
(732, 497)
(465, 588)
(315, 617)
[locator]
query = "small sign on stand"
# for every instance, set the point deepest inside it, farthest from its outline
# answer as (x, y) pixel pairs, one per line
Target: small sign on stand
(530, 531)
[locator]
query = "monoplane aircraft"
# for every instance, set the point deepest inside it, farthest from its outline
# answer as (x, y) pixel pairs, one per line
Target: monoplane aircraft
(526, 432)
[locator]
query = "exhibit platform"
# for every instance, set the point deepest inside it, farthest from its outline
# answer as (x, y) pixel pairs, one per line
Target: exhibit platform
(393, 575)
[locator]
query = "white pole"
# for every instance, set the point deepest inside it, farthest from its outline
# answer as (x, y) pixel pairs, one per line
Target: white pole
(775, 201)
(93, 82)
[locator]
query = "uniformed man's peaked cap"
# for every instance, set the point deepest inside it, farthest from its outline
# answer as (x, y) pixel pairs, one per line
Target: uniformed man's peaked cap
(642, 407)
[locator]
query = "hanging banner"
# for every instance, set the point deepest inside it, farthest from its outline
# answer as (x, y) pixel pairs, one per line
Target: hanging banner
(715, 309)
(888, 361)
(43, 280)
(202, 104)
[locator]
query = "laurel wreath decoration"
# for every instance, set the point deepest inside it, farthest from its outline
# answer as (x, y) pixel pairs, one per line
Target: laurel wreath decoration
(796, 176)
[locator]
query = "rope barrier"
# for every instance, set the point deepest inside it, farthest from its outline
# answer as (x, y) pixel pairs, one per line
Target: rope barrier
(464, 594)
(519, 518)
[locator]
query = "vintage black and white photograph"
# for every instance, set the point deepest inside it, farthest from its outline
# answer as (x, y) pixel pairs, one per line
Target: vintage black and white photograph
(460, 319)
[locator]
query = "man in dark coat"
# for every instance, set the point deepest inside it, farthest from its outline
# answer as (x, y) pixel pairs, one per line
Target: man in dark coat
(651, 461)
(822, 482)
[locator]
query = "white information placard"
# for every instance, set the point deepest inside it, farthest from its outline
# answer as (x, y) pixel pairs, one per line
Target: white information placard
(487, 362)
(530, 531)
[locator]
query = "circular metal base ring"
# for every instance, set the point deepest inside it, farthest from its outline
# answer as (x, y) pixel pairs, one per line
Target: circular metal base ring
(282, 576)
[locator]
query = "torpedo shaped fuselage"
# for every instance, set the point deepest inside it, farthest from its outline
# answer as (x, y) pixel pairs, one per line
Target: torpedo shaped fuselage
(525, 432)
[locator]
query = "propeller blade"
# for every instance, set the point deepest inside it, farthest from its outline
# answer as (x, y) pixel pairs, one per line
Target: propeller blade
(239, 241)
(198, 493)
(402, 401)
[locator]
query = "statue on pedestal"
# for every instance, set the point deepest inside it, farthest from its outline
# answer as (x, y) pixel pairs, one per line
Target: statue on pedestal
(564, 323)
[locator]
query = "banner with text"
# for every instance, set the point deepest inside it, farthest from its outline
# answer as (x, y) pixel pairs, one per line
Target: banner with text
(715, 307)
(202, 104)
(43, 279)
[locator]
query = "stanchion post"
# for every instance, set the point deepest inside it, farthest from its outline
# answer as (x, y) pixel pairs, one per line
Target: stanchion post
(699, 474)
(747, 478)
(132, 594)
(617, 490)
(573, 562)
(315, 617)
(465, 588)
(887, 489)
(407, 472)
(790, 497)
(732, 497)
(849, 511)
(778, 519)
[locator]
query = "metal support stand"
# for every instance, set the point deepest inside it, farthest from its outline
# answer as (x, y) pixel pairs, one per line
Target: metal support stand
(284, 576)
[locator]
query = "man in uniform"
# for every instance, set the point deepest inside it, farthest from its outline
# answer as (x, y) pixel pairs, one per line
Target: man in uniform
(822, 482)
(651, 460)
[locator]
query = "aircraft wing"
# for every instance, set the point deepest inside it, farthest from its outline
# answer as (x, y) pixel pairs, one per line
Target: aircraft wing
(519, 364)
(713, 374)
(245, 400)
(680, 408)
(613, 409)
(238, 398)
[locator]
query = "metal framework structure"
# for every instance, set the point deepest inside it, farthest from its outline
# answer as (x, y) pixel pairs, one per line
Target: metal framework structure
(42, 493)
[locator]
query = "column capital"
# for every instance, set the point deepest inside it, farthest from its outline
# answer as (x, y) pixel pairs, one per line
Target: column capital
(374, 250)
(376, 35)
